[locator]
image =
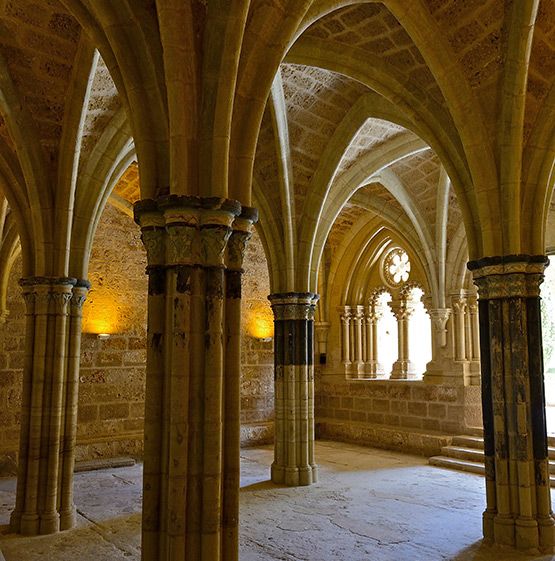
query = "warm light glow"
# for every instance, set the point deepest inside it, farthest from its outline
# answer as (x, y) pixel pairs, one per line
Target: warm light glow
(101, 315)
(260, 322)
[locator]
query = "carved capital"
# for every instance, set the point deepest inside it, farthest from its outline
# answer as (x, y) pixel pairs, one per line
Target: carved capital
(236, 249)
(508, 276)
(154, 242)
(401, 310)
(294, 305)
(181, 248)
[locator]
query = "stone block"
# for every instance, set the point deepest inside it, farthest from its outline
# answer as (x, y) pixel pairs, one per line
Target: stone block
(87, 413)
(398, 407)
(437, 410)
(431, 424)
(380, 405)
(359, 416)
(347, 402)
(418, 408)
(375, 417)
(114, 411)
(411, 422)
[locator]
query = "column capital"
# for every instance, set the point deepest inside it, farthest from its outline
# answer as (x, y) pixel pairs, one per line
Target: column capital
(401, 310)
(508, 276)
(294, 305)
(242, 228)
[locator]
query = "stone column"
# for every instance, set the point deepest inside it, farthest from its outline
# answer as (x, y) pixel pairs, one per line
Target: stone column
(192, 405)
(346, 338)
(459, 313)
(294, 390)
(358, 321)
(402, 367)
(242, 227)
(44, 494)
(67, 506)
(518, 497)
(474, 329)
(321, 330)
(371, 359)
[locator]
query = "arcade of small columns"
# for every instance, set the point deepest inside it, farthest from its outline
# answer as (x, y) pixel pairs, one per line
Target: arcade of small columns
(455, 337)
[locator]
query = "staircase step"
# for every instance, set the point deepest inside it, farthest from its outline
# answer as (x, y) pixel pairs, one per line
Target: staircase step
(463, 453)
(454, 463)
(466, 453)
(468, 441)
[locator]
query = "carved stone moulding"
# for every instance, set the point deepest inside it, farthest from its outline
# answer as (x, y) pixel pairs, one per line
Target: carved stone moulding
(508, 276)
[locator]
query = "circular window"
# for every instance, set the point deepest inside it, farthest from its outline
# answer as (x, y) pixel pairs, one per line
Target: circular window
(396, 267)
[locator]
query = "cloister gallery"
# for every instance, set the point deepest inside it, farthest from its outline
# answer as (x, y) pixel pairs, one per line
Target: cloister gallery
(344, 213)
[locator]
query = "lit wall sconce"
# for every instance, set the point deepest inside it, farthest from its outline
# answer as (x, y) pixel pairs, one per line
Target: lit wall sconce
(264, 339)
(103, 336)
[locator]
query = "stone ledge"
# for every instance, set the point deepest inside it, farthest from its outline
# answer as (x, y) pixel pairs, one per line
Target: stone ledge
(402, 439)
(256, 434)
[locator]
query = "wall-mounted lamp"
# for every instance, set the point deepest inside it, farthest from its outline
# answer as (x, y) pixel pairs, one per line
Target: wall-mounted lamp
(103, 336)
(264, 339)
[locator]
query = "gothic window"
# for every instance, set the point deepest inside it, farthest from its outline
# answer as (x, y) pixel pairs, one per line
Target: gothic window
(396, 267)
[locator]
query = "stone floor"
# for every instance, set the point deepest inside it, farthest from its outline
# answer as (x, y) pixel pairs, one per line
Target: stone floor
(370, 505)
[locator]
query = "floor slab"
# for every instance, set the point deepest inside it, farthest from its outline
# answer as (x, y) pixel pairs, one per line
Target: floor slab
(369, 505)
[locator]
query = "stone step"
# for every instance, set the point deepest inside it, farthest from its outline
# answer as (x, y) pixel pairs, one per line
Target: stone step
(466, 453)
(469, 466)
(463, 453)
(454, 463)
(476, 442)
(103, 463)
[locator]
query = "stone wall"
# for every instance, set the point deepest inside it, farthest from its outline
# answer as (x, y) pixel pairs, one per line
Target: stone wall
(12, 346)
(111, 392)
(257, 357)
(112, 376)
(409, 415)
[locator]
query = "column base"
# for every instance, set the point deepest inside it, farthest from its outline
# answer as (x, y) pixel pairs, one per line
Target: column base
(403, 370)
(49, 523)
(524, 534)
(29, 524)
(68, 519)
(450, 372)
(294, 476)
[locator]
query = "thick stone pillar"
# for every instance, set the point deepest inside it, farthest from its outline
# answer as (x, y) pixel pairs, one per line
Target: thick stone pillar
(518, 509)
(44, 494)
(191, 466)
(402, 367)
(294, 388)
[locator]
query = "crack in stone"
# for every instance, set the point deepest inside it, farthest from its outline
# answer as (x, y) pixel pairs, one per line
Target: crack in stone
(354, 533)
(272, 551)
(101, 531)
(126, 481)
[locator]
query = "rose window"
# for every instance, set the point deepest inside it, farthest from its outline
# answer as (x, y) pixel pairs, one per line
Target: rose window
(396, 267)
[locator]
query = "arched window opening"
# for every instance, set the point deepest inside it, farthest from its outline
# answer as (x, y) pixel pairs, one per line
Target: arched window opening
(420, 332)
(548, 333)
(387, 335)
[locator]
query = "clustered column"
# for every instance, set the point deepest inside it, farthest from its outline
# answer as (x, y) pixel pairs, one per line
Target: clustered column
(195, 249)
(359, 340)
(402, 367)
(294, 388)
(518, 509)
(44, 494)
